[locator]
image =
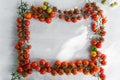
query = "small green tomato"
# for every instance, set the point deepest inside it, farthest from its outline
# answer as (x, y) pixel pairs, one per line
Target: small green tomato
(49, 10)
(44, 7)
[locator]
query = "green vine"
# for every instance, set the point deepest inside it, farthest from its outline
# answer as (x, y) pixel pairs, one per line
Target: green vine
(16, 76)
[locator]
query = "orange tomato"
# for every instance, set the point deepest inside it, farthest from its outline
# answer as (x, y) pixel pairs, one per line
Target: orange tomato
(28, 15)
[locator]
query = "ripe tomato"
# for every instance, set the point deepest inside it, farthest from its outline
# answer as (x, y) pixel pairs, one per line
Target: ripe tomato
(25, 75)
(85, 62)
(86, 72)
(79, 18)
(85, 16)
(17, 46)
(47, 64)
(52, 14)
(42, 19)
(74, 71)
(60, 16)
(27, 22)
(57, 64)
(30, 71)
(28, 66)
(35, 16)
(38, 68)
(49, 69)
(54, 72)
(92, 72)
(80, 69)
(21, 42)
(99, 45)
(95, 17)
(94, 25)
(42, 62)
(104, 20)
(64, 64)
(67, 19)
(71, 64)
(67, 71)
(101, 70)
(34, 64)
(103, 62)
(103, 56)
(48, 20)
(102, 76)
(20, 69)
(28, 15)
(19, 20)
(43, 70)
(78, 62)
(74, 20)
(93, 42)
(33, 8)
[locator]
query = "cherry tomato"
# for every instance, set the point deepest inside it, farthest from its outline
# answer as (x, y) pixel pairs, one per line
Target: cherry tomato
(102, 76)
(30, 71)
(47, 64)
(48, 20)
(74, 20)
(85, 62)
(27, 22)
(20, 69)
(42, 62)
(99, 45)
(93, 42)
(28, 15)
(57, 64)
(34, 64)
(38, 68)
(52, 14)
(19, 20)
(78, 62)
(64, 64)
(43, 70)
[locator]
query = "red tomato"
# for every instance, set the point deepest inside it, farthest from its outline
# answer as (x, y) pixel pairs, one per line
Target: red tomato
(64, 64)
(104, 20)
(101, 70)
(67, 19)
(42, 62)
(99, 45)
(30, 71)
(93, 42)
(57, 64)
(43, 70)
(49, 69)
(20, 69)
(25, 75)
(27, 22)
(102, 76)
(78, 62)
(48, 20)
(74, 20)
(34, 64)
(47, 64)
(35, 16)
(19, 20)
(52, 14)
(42, 19)
(38, 68)
(85, 62)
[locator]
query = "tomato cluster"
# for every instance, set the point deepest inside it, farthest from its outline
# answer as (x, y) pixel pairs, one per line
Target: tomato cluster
(45, 13)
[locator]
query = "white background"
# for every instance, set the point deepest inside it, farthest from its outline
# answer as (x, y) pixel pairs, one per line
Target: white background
(59, 40)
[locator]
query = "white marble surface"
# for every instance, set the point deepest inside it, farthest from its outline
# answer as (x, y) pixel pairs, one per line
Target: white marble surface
(52, 41)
